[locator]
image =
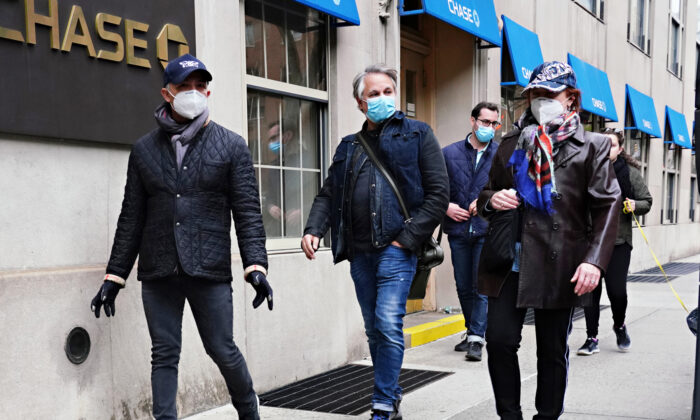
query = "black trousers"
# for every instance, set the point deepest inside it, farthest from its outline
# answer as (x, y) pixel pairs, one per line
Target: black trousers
(616, 286)
(212, 308)
(503, 336)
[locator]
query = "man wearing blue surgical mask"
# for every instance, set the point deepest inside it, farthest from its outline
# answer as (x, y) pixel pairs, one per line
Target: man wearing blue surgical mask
(184, 181)
(468, 163)
(366, 223)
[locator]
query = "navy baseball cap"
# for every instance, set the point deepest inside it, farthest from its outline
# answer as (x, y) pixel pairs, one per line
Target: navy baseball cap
(178, 69)
(554, 76)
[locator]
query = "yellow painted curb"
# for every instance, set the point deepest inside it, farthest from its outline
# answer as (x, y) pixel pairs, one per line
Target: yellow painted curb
(431, 331)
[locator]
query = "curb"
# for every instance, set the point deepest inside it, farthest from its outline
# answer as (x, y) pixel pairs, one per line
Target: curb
(431, 331)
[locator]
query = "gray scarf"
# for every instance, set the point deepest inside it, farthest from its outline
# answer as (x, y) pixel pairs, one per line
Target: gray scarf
(180, 133)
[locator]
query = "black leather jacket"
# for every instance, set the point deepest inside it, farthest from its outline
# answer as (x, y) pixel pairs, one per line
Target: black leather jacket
(169, 214)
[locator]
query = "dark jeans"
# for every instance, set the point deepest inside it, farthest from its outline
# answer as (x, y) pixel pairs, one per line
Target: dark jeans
(212, 307)
(503, 336)
(382, 281)
(616, 286)
(465, 261)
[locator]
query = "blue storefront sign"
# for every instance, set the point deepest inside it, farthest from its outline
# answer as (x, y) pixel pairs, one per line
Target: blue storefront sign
(342, 9)
(643, 112)
(675, 121)
(596, 96)
(478, 17)
(523, 52)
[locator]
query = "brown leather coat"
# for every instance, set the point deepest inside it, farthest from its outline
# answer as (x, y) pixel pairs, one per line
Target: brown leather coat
(582, 229)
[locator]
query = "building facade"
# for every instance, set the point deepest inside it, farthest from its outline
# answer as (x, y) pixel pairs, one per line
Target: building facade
(282, 78)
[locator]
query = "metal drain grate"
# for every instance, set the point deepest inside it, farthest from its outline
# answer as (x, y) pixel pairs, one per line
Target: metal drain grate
(673, 268)
(641, 278)
(345, 390)
(578, 313)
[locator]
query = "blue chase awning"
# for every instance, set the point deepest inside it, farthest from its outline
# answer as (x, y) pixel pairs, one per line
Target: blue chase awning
(596, 96)
(521, 51)
(478, 17)
(643, 112)
(342, 9)
(675, 121)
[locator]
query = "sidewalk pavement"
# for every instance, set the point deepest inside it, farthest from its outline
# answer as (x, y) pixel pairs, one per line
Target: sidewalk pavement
(654, 380)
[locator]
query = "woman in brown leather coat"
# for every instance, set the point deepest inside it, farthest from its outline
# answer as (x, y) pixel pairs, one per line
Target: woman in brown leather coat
(558, 183)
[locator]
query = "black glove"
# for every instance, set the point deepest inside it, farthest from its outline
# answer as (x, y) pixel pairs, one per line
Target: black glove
(262, 287)
(106, 295)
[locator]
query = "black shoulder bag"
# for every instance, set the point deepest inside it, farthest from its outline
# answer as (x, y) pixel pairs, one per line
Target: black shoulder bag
(431, 254)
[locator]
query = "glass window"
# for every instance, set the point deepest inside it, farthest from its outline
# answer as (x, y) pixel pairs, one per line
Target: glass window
(596, 7)
(638, 32)
(284, 136)
(512, 106)
(286, 42)
(675, 37)
(637, 145)
(671, 176)
(693, 196)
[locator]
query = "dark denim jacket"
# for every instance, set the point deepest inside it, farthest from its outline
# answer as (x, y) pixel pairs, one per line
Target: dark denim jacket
(410, 151)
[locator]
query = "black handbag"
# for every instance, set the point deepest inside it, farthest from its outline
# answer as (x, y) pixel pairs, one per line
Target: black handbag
(499, 245)
(431, 253)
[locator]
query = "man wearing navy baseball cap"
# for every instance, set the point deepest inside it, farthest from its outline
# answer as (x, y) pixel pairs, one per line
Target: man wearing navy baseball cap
(184, 180)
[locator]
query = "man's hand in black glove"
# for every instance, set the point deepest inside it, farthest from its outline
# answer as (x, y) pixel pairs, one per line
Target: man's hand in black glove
(262, 287)
(106, 295)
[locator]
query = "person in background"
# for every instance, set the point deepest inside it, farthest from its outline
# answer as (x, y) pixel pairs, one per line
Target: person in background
(636, 200)
(468, 163)
(560, 180)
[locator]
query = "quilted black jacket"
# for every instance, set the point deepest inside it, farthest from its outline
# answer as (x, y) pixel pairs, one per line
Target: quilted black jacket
(169, 214)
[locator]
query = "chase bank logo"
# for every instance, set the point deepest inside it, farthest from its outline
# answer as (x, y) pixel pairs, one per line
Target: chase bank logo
(463, 12)
(681, 138)
(599, 104)
(337, 2)
(647, 124)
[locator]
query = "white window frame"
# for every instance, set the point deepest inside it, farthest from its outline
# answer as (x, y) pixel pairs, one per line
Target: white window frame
(645, 46)
(275, 87)
(598, 13)
(670, 147)
(670, 61)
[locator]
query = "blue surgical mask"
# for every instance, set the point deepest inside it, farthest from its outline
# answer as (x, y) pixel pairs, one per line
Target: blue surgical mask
(274, 146)
(380, 108)
(484, 134)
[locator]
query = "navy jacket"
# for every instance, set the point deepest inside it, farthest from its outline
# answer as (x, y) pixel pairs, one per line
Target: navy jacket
(171, 215)
(410, 151)
(466, 182)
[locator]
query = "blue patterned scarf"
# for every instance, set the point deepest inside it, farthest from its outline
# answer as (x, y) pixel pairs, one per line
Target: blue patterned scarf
(533, 158)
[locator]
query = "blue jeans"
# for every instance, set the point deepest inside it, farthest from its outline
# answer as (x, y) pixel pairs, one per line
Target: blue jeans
(382, 280)
(212, 307)
(465, 260)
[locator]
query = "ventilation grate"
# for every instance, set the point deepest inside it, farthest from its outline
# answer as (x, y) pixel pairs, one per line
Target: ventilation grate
(673, 268)
(345, 390)
(645, 278)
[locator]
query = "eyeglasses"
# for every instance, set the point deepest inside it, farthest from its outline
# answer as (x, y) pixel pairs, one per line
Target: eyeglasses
(495, 124)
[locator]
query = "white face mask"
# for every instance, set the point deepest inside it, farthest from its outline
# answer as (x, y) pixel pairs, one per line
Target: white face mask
(546, 109)
(189, 104)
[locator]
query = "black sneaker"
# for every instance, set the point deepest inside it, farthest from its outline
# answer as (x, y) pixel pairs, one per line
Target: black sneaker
(396, 415)
(474, 351)
(463, 345)
(380, 415)
(623, 339)
(589, 347)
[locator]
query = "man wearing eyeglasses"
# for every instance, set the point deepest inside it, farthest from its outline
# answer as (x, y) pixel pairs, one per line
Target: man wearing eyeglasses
(468, 163)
